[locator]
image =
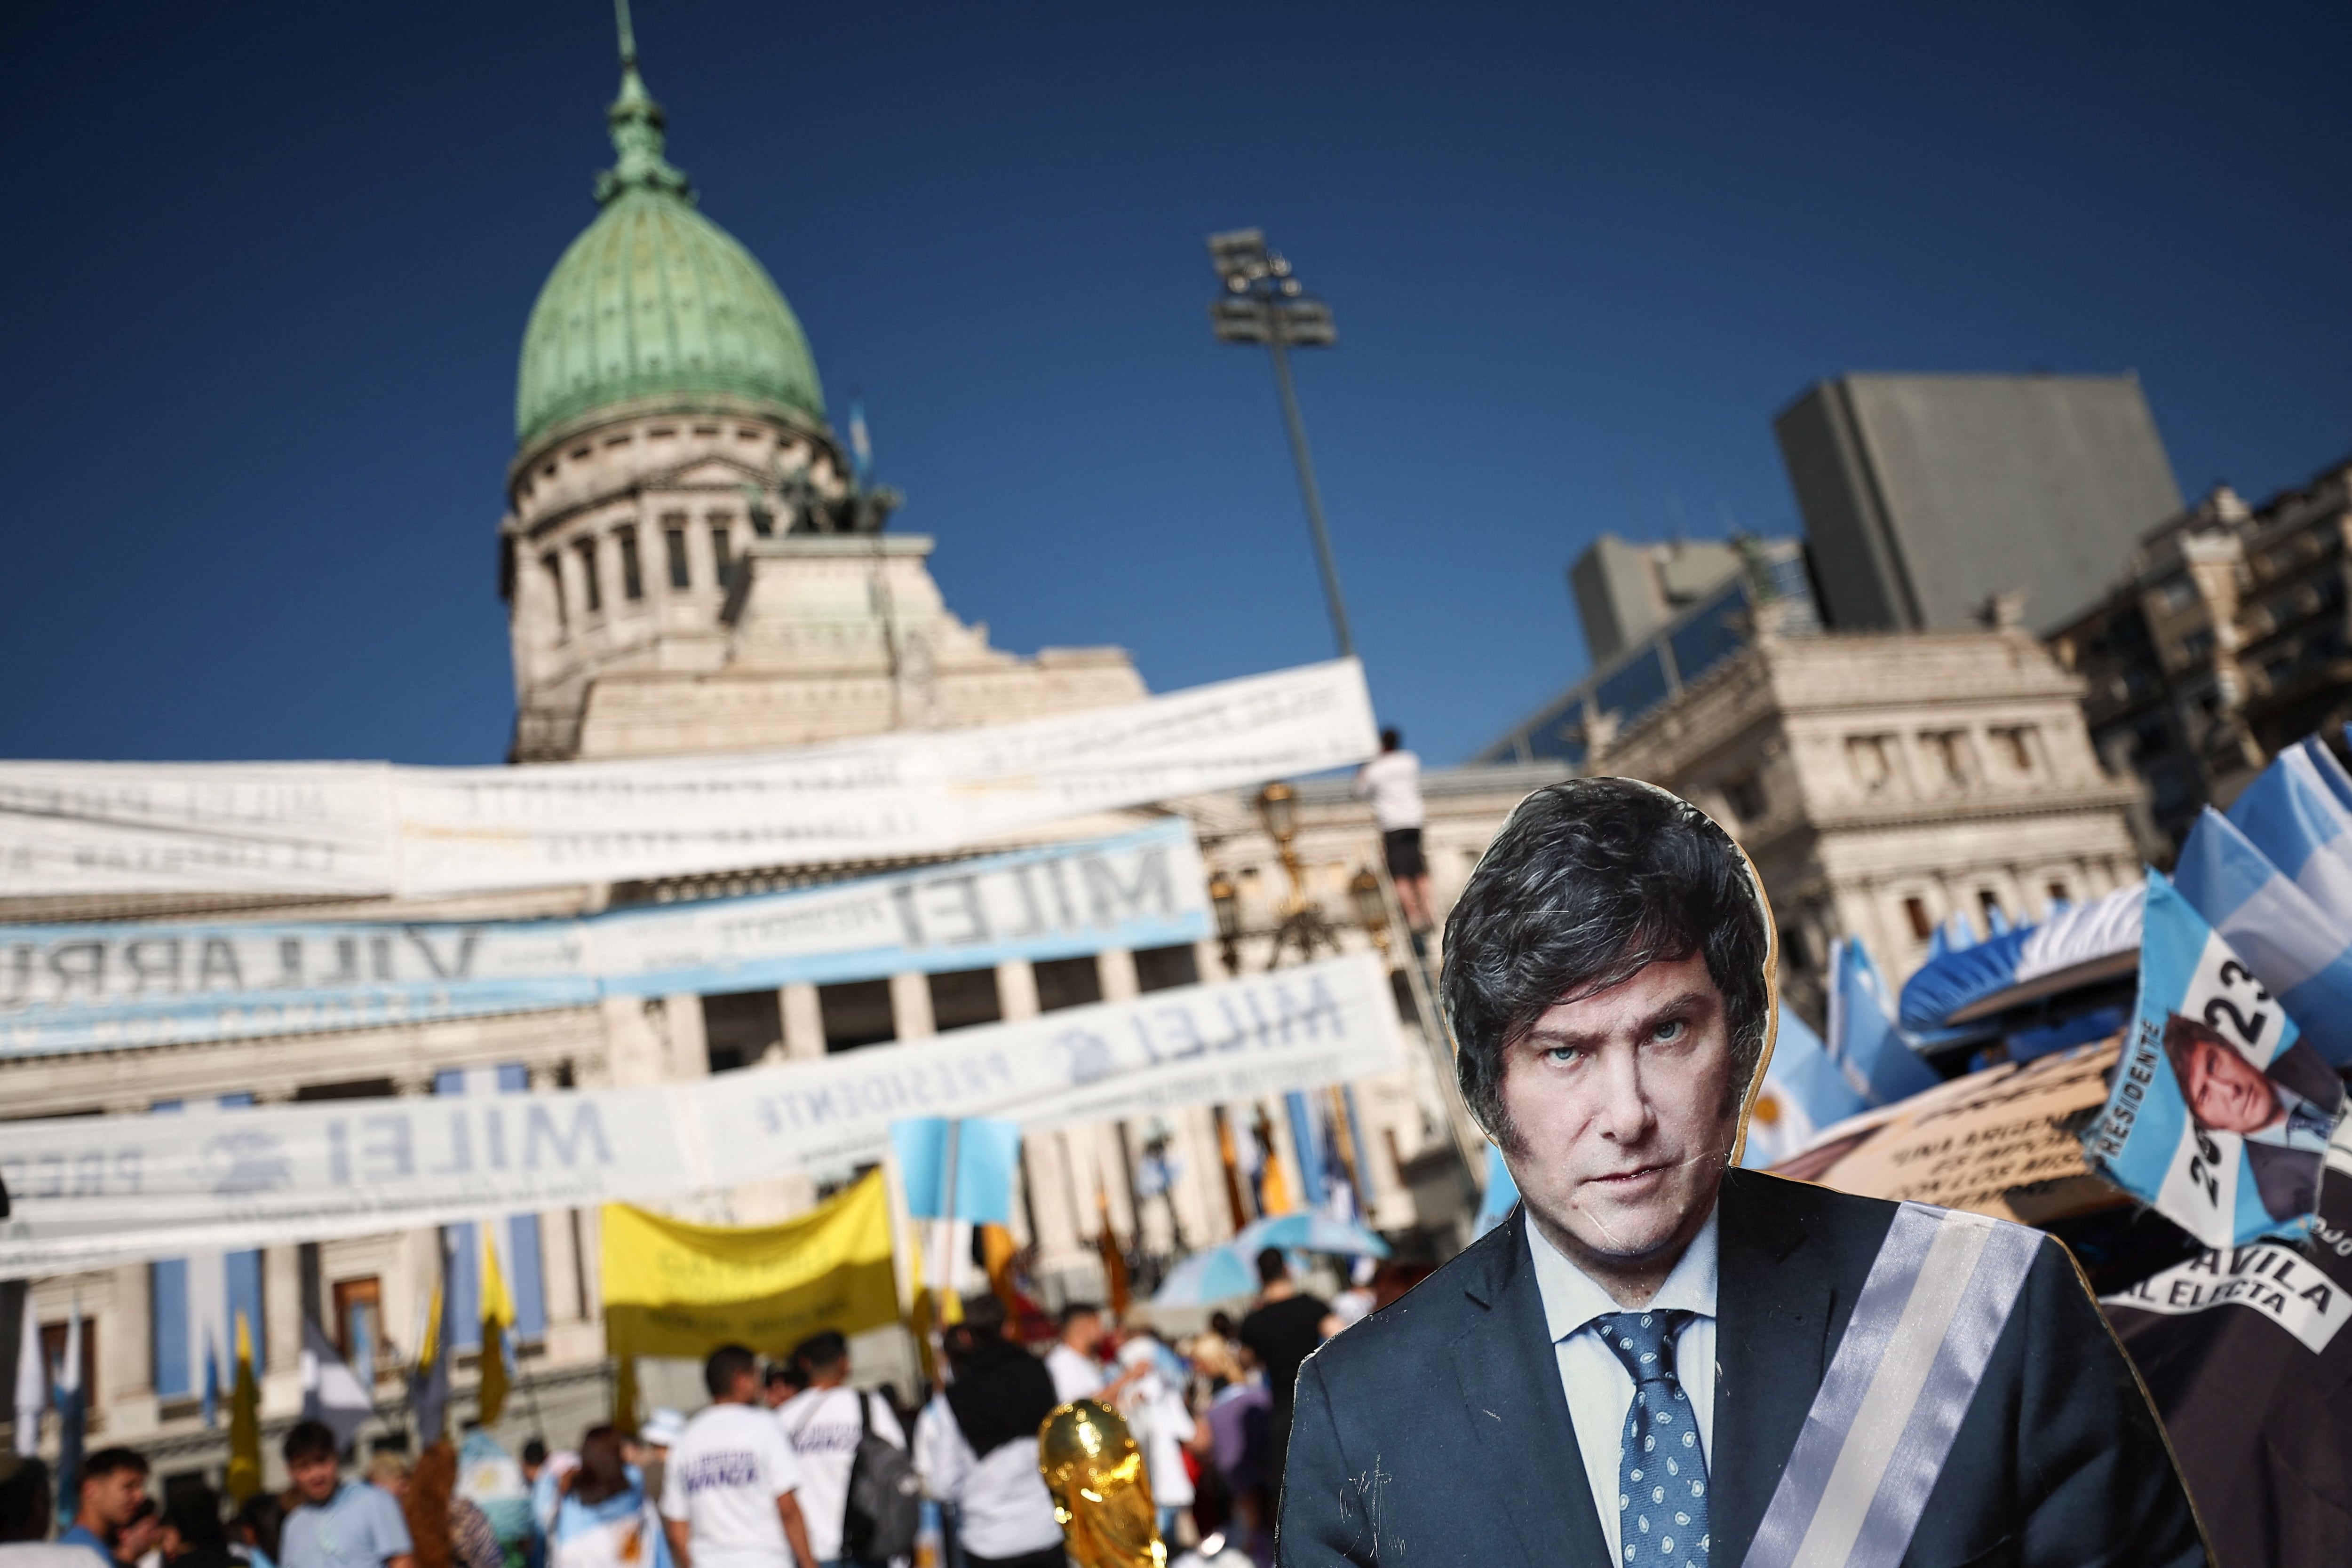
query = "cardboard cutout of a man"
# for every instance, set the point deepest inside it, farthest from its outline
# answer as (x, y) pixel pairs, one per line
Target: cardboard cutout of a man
(1662, 1359)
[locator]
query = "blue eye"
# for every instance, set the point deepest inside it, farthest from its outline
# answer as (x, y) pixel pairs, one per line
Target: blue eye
(1670, 1032)
(1564, 1054)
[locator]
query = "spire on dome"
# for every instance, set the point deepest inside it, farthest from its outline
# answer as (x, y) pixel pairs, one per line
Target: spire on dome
(635, 121)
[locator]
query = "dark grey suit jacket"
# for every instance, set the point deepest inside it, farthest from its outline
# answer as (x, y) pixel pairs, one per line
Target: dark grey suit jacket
(1436, 1432)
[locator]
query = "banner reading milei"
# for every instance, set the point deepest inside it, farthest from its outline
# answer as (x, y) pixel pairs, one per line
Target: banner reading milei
(89, 1192)
(116, 986)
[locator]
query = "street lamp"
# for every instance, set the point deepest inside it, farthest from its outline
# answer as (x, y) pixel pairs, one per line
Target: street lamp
(1226, 901)
(1262, 303)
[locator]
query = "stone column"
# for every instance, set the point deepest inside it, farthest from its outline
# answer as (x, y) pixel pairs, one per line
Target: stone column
(803, 1021)
(125, 1325)
(911, 1005)
(1016, 991)
(687, 1048)
(1115, 968)
(559, 1256)
(281, 1317)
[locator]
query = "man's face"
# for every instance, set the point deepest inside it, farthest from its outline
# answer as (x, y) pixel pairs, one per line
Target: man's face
(314, 1477)
(2227, 1093)
(1083, 1333)
(1623, 1112)
(115, 1497)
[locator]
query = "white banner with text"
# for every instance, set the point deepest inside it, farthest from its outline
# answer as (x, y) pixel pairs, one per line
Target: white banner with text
(370, 828)
(110, 987)
(92, 1191)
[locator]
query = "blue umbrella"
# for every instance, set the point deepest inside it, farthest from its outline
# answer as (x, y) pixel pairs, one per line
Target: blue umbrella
(1217, 1274)
(1308, 1230)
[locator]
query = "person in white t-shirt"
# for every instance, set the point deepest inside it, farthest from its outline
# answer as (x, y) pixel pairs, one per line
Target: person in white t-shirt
(1074, 1361)
(1391, 782)
(976, 1445)
(1161, 1425)
(823, 1424)
(727, 1493)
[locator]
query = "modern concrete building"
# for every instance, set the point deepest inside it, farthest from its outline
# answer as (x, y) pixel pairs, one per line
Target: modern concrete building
(1626, 591)
(1766, 583)
(1924, 497)
(2226, 638)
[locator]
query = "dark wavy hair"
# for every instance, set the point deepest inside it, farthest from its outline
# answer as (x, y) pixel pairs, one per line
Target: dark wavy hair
(1589, 882)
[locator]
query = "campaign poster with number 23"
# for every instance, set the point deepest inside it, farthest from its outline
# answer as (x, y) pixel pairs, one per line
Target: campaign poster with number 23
(2219, 1114)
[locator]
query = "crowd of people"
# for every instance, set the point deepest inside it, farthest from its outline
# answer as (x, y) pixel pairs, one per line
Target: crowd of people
(789, 1466)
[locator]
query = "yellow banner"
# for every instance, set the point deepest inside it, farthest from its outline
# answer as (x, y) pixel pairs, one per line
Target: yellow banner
(675, 1288)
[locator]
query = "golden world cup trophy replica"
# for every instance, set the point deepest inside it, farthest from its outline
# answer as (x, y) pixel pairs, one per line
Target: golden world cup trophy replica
(1101, 1495)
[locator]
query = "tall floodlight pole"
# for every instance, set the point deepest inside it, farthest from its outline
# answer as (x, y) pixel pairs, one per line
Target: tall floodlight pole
(1262, 303)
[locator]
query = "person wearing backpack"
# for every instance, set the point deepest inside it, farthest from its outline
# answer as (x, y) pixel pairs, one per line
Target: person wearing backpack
(859, 1489)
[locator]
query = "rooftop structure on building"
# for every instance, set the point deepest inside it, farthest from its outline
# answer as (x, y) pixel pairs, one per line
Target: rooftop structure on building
(1714, 596)
(1925, 496)
(2225, 639)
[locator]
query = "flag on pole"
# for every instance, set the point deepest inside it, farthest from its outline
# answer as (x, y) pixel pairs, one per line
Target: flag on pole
(244, 1421)
(1864, 1040)
(861, 441)
(332, 1392)
(1803, 1092)
(428, 1382)
(498, 1318)
(2299, 953)
(987, 1153)
(32, 1386)
(65, 1385)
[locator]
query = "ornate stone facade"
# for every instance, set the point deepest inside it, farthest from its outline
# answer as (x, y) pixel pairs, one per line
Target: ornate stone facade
(1882, 782)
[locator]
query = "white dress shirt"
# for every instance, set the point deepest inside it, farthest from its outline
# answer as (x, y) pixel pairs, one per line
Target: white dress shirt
(1600, 1390)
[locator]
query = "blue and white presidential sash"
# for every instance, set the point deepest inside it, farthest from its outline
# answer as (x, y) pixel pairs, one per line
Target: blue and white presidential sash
(1904, 1375)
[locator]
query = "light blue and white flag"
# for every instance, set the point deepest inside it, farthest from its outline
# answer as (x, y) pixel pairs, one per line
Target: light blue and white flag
(2331, 772)
(2219, 1116)
(1803, 1092)
(2290, 944)
(2290, 815)
(1868, 1049)
(1501, 1196)
(987, 1155)
(861, 442)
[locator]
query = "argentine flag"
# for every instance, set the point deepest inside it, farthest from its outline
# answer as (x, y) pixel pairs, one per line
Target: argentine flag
(2292, 944)
(2291, 815)
(1864, 1043)
(1803, 1092)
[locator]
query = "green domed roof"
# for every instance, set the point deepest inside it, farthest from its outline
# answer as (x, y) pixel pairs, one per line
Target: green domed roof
(656, 302)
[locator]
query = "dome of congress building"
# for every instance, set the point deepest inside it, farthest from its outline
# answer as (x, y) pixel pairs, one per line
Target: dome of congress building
(654, 309)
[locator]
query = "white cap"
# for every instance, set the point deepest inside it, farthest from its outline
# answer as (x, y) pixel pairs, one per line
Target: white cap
(663, 1429)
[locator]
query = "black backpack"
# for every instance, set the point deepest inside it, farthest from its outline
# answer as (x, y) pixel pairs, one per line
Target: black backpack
(885, 1497)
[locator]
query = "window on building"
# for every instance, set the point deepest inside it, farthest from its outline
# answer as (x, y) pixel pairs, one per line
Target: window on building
(2178, 592)
(1872, 760)
(552, 564)
(1745, 796)
(2198, 646)
(2015, 743)
(632, 574)
(593, 588)
(349, 1089)
(722, 554)
(963, 998)
(2058, 894)
(856, 1013)
(53, 1354)
(1795, 952)
(1990, 902)
(673, 544)
(359, 1324)
(1160, 969)
(1067, 983)
(739, 1028)
(1950, 750)
(1914, 910)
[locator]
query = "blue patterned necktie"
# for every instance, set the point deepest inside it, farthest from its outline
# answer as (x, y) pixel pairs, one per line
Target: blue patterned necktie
(1662, 1467)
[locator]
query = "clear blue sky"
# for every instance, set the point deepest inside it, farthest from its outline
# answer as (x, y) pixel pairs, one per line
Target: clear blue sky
(271, 265)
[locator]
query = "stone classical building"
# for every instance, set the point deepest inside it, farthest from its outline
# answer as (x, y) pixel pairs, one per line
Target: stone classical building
(1885, 782)
(2226, 639)
(689, 567)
